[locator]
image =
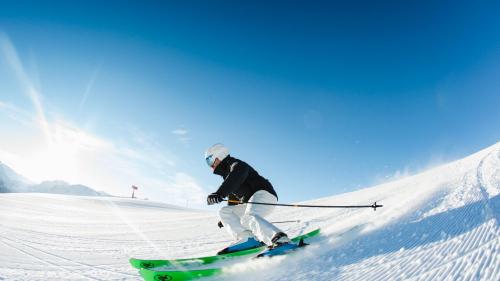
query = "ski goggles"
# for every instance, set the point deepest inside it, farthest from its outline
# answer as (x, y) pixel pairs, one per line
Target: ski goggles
(210, 160)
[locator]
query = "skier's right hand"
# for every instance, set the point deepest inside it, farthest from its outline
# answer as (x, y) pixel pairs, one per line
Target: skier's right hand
(214, 198)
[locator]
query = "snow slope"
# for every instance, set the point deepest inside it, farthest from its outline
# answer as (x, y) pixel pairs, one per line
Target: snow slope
(442, 224)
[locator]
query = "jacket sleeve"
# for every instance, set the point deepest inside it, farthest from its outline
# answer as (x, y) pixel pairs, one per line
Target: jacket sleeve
(237, 174)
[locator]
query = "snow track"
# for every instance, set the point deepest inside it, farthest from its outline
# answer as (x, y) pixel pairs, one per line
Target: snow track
(442, 224)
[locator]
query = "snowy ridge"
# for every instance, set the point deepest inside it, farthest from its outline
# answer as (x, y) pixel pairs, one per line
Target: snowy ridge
(10, 181)
(442, 224)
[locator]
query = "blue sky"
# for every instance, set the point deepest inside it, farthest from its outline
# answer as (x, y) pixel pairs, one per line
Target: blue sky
(320, 97)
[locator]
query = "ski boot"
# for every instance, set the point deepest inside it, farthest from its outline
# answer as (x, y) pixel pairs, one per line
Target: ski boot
(281, 245)
(241, 245)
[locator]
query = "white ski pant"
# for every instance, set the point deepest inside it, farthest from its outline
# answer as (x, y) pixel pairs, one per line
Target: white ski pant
(246, 220)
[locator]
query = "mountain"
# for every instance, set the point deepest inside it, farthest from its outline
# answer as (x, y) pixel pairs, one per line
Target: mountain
(62, 187)
(442, 224)
(10, 181)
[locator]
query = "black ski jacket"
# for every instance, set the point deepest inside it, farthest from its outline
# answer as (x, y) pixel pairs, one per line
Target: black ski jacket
(240, 180)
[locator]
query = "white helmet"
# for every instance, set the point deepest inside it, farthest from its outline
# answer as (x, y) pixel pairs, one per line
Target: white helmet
(217, 150)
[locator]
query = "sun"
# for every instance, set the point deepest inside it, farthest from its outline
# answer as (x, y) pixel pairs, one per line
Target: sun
(59, 157)
(58, 161)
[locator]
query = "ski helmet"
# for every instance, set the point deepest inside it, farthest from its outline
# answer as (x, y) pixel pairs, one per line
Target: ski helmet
(217, 150)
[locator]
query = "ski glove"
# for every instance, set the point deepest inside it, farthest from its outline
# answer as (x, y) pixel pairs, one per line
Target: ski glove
(214, 198)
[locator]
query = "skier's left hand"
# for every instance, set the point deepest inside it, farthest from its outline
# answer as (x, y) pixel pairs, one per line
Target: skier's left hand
(214, 198)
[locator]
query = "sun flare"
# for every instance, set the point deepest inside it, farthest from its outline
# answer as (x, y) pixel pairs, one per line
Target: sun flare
(59, 155)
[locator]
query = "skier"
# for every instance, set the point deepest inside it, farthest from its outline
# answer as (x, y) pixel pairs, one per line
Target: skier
(244, 222)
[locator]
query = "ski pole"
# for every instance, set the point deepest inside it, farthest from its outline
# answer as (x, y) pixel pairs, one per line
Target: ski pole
(285, 221)
(374, 205)
(220, 225)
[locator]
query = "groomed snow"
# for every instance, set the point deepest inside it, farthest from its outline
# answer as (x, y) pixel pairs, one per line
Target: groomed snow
(442, 224)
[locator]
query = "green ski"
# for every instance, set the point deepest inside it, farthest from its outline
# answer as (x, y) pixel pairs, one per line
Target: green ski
(138, 263)
(188, 269)
(178, 275)
(142, 263)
